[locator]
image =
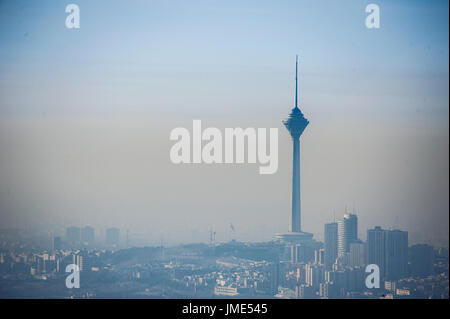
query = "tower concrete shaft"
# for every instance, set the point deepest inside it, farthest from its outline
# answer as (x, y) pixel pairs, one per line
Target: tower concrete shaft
(296, 207)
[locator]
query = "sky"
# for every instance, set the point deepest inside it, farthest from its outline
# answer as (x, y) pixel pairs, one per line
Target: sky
(86, 114)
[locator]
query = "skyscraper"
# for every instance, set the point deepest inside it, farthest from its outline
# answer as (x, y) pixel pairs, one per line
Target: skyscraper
(296, 124)
(112, 236)
(87, 235)
(56, 243)
(331, 244)
(422, 260)
(347, 232)
(396, 254)
(389, 250)
(376, 248)
(73, 235)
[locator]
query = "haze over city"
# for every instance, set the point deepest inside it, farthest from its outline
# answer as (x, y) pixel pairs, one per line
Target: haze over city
(85, 124)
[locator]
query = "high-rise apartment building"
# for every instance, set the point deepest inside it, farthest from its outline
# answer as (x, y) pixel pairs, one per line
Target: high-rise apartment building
(347, 232)
(331, 244)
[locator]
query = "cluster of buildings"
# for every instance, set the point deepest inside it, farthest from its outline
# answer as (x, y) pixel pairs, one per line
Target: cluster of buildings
(242, 270)
(79, 237)
(41, 265)
(336, 268)
(386, 248)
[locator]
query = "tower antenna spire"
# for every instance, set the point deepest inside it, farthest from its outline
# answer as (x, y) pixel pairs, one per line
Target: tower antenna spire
(296, 80)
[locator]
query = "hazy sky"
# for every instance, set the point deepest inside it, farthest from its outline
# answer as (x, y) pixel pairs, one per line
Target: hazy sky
(85, 115)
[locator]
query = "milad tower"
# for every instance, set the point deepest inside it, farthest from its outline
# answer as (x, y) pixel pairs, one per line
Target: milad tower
(296, 124)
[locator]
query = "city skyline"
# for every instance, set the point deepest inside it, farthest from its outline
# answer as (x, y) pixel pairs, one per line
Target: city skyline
(88, 143)
(259, 269)
(344, 229)
(141, 239)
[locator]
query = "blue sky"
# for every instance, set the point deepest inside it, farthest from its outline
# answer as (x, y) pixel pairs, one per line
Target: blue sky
(191, 48)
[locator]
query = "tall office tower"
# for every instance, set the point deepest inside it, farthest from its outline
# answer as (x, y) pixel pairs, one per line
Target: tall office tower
(422, 258)
(56, 243)
(376, 248)
(389, 250)
(296, 124)
(396, 254)
(331, 244)
(73, 235)
(87, 235)
(112, 236)
(347, 232)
